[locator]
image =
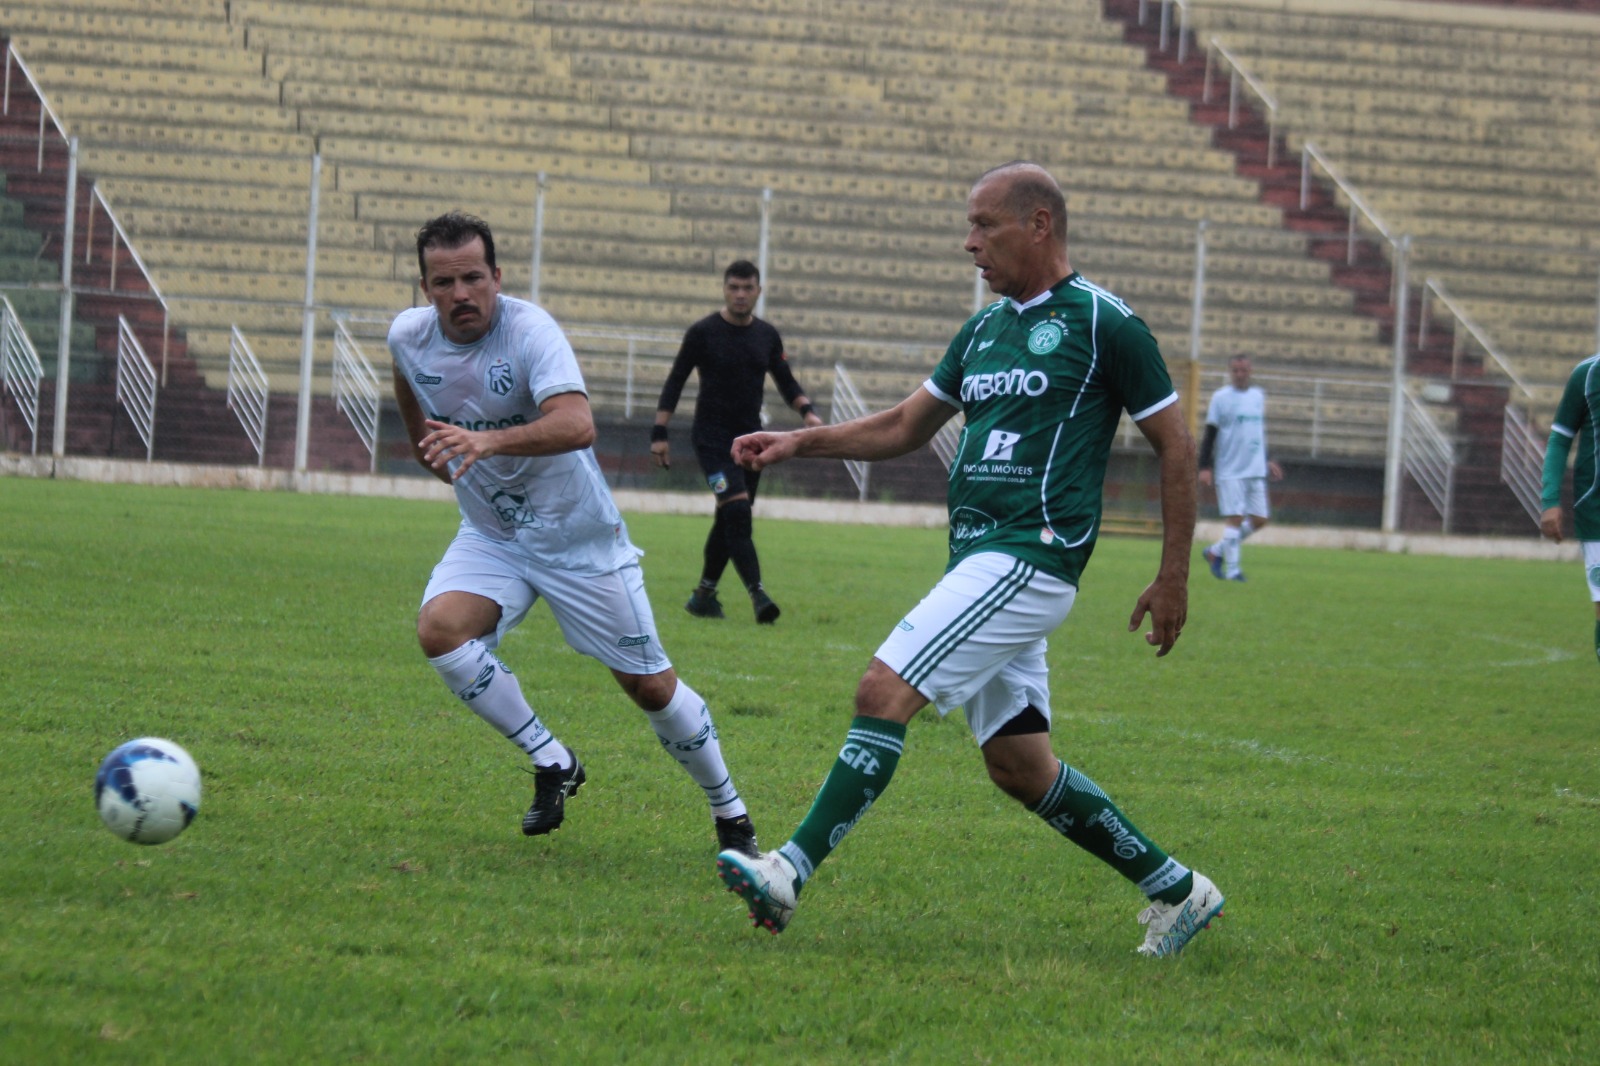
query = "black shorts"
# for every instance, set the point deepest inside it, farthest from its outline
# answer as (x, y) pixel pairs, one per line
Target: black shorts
(724, 476)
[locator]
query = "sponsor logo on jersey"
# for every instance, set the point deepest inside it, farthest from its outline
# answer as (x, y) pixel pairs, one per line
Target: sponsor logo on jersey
(481, 423)
(498, 377)
(1000, 444)
(968, 523)
(1045, 337)
(985, 344)
(426, 379)
(512, 509)
(634, 642)
(1017, 382)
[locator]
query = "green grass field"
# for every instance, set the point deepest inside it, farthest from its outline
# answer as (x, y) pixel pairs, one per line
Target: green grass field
(1390, 764)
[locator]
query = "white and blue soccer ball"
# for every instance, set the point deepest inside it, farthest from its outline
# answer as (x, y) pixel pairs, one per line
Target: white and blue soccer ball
(148, 790)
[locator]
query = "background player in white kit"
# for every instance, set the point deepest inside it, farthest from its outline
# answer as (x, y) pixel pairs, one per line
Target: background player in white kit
(494, 405)
(1236, 434)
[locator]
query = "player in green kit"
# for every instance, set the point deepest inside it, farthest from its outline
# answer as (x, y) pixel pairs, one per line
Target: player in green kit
(1577, 417)
(1043, 377)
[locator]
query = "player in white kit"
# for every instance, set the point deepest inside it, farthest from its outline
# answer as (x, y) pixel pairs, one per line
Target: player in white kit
(1236, 436)
(495, 406)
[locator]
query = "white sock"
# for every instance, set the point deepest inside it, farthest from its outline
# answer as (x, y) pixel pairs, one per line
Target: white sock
(1230, 551)
(687, 733)
(1245, 529)
(481, 681)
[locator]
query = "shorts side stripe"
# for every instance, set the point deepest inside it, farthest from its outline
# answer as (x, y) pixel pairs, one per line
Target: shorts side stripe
(968, 622)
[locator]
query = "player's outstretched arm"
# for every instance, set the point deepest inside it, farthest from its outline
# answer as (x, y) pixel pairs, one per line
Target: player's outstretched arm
(1166, 599)
(905, 427)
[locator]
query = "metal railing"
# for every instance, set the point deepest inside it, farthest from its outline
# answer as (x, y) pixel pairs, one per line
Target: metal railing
(45, 110)
(847, 404)
(1238, 75)
(1522, 462)
(20, 369)
(640, 350)
(355, 388)
(136, 385)
(118, 233)
(248, 393)
(1430, 459)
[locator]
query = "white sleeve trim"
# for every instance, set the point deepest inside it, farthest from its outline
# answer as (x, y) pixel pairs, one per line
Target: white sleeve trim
(557, 390)
(1140, 416)
(1563, 430)
(940, 395)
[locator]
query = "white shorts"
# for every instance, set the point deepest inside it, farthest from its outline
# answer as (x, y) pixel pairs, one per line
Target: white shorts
(604, 616)
(1242, 496)
(1591, 567)
(978, 640)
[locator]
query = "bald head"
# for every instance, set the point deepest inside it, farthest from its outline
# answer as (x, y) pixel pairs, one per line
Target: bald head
(1027, 187)
(1018, 239)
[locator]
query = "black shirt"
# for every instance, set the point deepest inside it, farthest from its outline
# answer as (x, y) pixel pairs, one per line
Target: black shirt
(733, 363)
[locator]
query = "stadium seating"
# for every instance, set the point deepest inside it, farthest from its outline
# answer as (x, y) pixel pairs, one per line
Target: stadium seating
(657, 124)
(1474, 137)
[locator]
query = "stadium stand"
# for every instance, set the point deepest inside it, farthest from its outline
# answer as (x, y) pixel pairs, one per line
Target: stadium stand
(656, 126)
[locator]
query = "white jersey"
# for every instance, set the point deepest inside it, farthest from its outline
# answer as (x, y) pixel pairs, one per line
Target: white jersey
(1240, 418)
(557, 508)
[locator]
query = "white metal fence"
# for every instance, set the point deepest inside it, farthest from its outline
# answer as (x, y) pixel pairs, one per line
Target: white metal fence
(136, 385)
(20, 370)
(248, 392)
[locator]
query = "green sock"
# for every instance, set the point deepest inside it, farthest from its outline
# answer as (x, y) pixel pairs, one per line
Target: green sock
(1076, 808)
(858, 778)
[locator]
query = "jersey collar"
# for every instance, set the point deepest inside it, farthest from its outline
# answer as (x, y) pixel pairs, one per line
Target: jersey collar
(1043, 298)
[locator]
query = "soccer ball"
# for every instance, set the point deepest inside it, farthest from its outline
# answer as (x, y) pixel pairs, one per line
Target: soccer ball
(148, 790)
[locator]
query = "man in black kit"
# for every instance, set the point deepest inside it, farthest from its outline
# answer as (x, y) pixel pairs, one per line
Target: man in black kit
(733, 351)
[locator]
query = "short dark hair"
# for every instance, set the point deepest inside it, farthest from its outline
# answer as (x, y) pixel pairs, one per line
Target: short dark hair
(742, 268)
(452, 230)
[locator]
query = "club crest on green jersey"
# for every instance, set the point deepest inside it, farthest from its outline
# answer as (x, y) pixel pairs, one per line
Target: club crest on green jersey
(1045, 337)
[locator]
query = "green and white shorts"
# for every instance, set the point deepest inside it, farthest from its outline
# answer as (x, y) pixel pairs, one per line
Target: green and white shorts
(978, 640)
(1591, 567)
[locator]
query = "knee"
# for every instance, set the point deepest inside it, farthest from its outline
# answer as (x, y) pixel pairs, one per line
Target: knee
(1012, 778)
(882, 693)
(736, 518)
(649, 692)
(440, 631)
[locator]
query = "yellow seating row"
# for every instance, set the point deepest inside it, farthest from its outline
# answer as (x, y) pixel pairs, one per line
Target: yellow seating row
(96, 84)
(40, 48)
(44, 17)
(357, 155)
(335, 20)
(461, 137)
(371, 44)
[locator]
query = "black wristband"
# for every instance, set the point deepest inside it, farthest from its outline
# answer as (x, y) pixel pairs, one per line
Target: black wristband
(807, 409)
(658, 433)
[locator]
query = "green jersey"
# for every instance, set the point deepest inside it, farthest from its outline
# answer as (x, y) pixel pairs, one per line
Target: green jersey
(1043, 386)
(1577, 416)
